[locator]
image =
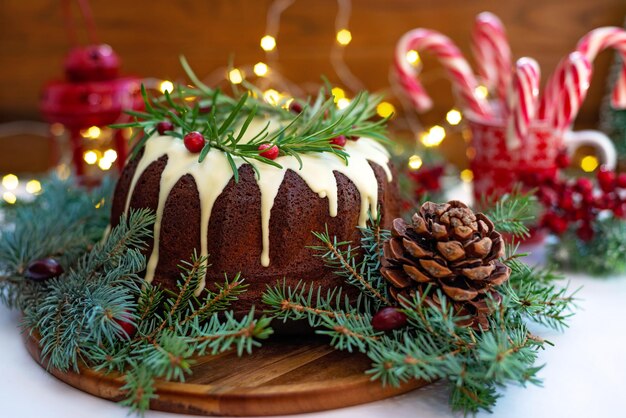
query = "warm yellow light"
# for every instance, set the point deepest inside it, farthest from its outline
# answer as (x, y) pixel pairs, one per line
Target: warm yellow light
(33, 186)
(287, 103)
(454, 117)
(385, 109)
(10, 182)
(100, 203)
(343, 103)
(467, 175)
(92, 132)
(413, 57)
(434, 136)
(272, 97)
(90, 157)
(166, 86)
(481, 92)
(260, 69)
(344, 37)
(110, 155)
(9, 197)
(235, 76)
(63, 171)
(589, 163)
(338, 93)
(105, 164)
(268, 43)
(415, 162)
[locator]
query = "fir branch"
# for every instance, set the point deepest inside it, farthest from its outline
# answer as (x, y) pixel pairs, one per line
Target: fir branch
(512, 213)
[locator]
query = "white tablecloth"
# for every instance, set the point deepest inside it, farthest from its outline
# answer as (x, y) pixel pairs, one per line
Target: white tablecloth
(584, 376)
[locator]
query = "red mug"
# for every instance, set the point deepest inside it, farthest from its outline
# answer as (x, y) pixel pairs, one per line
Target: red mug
(497, 166)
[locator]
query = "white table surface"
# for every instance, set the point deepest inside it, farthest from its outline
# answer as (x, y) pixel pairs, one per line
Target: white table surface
(584, 376)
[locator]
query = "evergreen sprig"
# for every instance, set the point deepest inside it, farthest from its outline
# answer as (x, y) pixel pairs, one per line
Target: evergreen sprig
(512, 212)
(224, 120)
(434, 345)
(100, 313)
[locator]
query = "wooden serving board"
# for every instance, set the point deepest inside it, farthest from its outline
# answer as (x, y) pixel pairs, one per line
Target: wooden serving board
(284, 376)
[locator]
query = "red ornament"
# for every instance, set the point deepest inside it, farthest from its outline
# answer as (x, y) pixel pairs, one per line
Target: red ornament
(271, 151)
(194, 141)
(164, 126)
(43, 269)
(339, 140)
(389, 318)
(92, 63)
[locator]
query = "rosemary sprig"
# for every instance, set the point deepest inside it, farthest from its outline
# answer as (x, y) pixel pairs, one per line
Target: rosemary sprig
(224, 121)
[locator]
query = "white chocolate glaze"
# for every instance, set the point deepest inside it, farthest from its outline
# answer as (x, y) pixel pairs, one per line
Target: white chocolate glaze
(214, 172)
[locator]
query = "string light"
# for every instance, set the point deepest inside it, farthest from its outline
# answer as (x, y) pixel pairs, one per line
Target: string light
(9, 197)
(92, 132)
(344, 37)
(589, 163)
(260, 69)
(57, 129)
(415, 162)
(338, 93)
(10, 181)
(90, 157)
(343, 103)
(413, 57)
(33, 187)
(481, 92)
(235, 76)
(385, 109)
(268, 43)
(454, 117)
(272, 97)
(166, 86)
(110, 155)
(434, 136)
(467, 175)
(105, 164)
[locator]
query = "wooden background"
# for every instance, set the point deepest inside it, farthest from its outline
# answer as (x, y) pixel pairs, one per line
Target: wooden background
(150, 35)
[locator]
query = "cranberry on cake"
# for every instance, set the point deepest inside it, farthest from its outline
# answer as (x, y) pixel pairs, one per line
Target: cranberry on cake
(247, 183)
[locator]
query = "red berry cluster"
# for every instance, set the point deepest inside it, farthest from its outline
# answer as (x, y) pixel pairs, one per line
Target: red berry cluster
(577, 203)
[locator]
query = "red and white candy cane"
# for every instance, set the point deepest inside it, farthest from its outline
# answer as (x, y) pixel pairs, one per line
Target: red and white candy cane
(523, 100)
(574, 84)
(600, 39)
(491, 49)
(463, 80)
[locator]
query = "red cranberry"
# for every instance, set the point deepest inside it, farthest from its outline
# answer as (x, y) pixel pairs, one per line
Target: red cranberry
(621, 181)
(585, 232)
(125, 322)
(194, 142)
(547, 196)
(164, 126)
(295, 107)
(205, 109)
(271, 152)
(584, 185)
(606, 179)
(567, 200)
(388, 318)
(339, 140)
(43, 269)
(563, 160)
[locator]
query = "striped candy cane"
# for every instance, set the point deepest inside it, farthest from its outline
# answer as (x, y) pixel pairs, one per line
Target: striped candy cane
(573, 87)
(523, 100)
(463, 80)
(597, 41)
(491, 49)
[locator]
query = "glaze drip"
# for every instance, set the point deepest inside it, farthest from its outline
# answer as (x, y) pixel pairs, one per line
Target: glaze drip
(214, 174)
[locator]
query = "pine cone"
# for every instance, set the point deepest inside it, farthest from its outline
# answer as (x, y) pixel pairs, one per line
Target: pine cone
(447, 247)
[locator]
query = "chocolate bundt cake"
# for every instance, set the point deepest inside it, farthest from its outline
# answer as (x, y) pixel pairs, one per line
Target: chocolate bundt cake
(261, 225)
